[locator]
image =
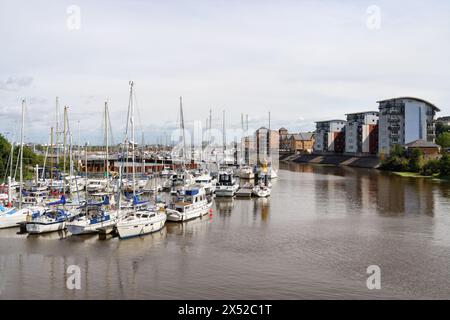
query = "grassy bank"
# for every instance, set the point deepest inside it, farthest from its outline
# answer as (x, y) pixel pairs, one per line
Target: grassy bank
(418, 175)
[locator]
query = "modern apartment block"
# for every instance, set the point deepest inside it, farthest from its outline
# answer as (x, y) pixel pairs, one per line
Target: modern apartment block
(330, 136)
(361, 133)
(403, 120)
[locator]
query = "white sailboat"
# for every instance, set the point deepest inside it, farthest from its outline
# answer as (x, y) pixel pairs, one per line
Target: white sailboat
(142, 219)
(93, 218)
(12, 216)
(263, 187)
(52, 219)
(96, 185)
(262, 191)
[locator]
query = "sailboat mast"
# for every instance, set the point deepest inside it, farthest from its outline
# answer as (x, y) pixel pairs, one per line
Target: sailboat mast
(107, 144)
(86, 171)
(268, 140)
(65, 139)
(132, 137)
(12, 158)
(78, 147)
(182, 131)
(57, 132)
(65, 146)
(51, 157)
(21, 154)
(210, 121)
(224, 138)
(242, 141)
(142, 154)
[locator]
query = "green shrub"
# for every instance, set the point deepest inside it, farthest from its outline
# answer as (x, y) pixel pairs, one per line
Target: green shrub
(444, 165)
(431, 167)
(416, 160)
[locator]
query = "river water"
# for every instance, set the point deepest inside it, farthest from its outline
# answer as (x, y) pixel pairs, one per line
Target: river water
(312, 239)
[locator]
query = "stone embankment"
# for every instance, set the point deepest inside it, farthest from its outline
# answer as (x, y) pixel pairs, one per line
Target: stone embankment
(338, 160)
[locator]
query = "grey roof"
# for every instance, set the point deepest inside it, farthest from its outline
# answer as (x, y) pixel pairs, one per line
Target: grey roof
(303, 136)
(334, 120)
(362, 112)
(411, 98)
(421, 144)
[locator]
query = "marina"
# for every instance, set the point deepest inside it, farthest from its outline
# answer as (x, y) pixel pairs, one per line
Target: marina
(224, 155)
(310, 248)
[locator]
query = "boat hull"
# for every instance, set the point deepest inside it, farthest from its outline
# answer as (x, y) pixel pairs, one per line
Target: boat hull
(226, 192)
(11, 220)
(131, 230)
(37, 228)
(246, 175)
(77, 229)
(176, 216)
(261, 193)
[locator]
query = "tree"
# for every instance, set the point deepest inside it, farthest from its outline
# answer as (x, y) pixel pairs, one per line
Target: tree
(398, 151)
(396, 161)
(431, 167)
(441, 128)
(416, 160)
(444, 166)
(443, 140)
(30, 159)
(5, 150)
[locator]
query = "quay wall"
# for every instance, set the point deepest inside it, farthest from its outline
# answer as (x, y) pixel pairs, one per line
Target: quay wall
(335, 159)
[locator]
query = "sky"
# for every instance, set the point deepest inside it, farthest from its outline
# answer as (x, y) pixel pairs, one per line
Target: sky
(304, 61)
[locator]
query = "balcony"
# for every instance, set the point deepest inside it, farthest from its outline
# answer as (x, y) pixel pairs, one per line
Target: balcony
(394, 135)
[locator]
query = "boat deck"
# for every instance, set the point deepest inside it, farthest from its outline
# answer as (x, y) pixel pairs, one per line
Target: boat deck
(244, 193)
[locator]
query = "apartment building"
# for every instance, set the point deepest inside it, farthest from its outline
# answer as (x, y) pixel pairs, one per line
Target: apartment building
(361, 133)
(403, 120)
(330, 136)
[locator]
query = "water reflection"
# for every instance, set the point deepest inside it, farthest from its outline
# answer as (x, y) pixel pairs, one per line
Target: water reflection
(57, 235)
(224, 206)
(261, 206)
(189, 228)
(341, 189)
(326, 224)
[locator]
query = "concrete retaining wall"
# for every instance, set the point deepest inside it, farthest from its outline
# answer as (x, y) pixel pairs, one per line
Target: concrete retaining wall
(339, 160)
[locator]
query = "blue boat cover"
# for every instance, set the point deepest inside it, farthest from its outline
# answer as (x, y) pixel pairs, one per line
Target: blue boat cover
(136, 201)
(191, 192)
(61, 201)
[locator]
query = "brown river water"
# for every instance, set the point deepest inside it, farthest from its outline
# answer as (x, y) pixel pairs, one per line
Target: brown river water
(312, 239)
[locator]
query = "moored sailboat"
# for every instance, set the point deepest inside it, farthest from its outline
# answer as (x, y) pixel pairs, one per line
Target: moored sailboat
(142, 218)
(52, 219)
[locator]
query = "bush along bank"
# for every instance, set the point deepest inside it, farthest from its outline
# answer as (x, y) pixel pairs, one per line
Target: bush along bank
(415, 163)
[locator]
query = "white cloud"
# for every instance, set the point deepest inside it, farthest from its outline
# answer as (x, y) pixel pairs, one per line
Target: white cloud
(15, 83)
